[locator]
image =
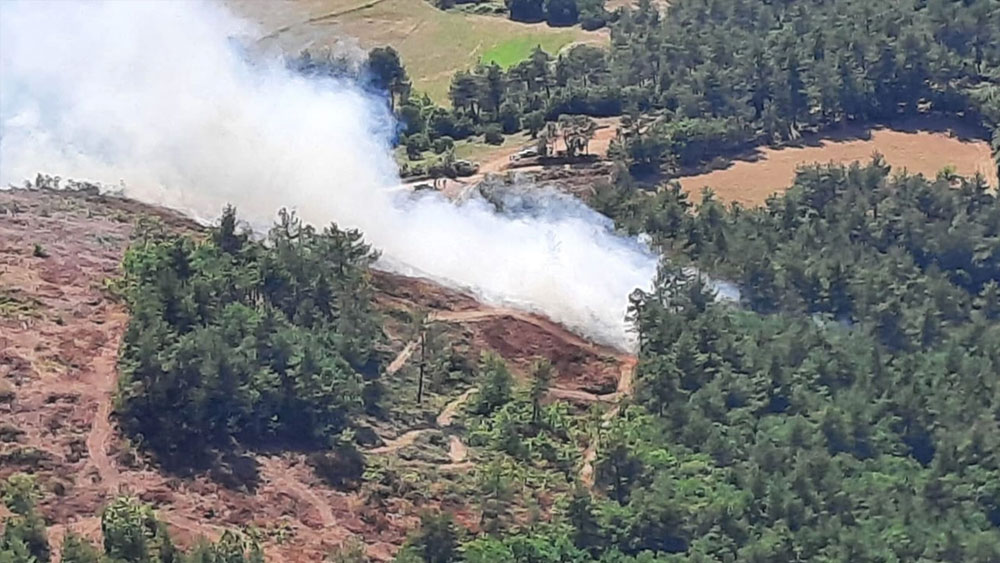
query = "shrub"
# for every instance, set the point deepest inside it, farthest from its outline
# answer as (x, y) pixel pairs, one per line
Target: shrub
(441, 123)
(534, 122)
(342, 468)
(493, 134)
(420, 142)
(412, 152)
(464, 128)
(7, 393)
(10, 433)
(496, 388)
(510, 118)
(443, 144)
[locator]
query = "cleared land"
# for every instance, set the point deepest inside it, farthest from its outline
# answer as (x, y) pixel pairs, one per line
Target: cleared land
(924, 146)
(432, 43)
(59, 337)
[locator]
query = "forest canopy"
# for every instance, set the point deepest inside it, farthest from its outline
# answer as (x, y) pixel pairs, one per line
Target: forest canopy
(707, 78)
(236, 340)
(847, 411)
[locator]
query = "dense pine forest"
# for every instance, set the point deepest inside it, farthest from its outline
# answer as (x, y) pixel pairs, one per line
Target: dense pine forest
(239, 342)
(848, 412)
(846, 409)
(710, 78)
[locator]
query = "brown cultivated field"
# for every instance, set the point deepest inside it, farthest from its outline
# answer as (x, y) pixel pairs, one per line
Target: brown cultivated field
(922, 146)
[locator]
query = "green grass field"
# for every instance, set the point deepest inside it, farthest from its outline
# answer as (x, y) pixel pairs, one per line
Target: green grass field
(433, 43)
(513, 51)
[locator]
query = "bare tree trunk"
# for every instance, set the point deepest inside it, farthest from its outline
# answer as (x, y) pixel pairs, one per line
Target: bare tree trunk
(423, 364)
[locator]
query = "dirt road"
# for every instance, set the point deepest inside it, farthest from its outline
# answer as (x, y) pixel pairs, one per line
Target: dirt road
(102, 378)
(451, 409)
(399, 361)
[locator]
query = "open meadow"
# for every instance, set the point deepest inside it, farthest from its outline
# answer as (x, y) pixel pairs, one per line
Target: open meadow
(432, 43)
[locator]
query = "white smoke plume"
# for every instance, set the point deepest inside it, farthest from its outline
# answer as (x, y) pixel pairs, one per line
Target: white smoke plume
(159, 97)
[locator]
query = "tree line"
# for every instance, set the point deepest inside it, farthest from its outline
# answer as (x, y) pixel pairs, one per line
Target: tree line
(589, 14)
(845, 412)
(708, 78)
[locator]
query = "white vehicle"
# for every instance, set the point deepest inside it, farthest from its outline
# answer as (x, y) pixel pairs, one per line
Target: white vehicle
(525, 153)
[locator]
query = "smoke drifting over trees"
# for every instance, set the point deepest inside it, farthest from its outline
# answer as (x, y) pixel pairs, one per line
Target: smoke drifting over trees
(162, 98)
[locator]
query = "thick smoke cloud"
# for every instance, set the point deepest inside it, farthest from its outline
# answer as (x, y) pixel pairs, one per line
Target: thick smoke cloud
(159, 97)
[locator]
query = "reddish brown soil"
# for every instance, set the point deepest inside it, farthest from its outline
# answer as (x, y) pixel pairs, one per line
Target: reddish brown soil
(58, 349)
(416, 293)
(58, 353)
(522, 339)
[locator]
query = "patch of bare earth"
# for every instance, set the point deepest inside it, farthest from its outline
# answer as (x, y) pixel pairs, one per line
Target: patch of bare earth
(58, 353)
(922, 145)
(519, 337)
(59, 338)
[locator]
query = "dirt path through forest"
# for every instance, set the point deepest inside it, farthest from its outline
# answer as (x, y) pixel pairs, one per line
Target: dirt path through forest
(444, 419)
(451, 409)
(458, 452)
(400, 360)
(407, 438)
(625, 388)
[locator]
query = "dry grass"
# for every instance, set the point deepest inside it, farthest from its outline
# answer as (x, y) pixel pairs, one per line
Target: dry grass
(433, 43)
(924, 146)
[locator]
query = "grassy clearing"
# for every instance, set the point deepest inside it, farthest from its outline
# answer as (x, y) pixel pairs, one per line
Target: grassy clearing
(921, 145)
(476, 150)
(513, 51)
(433, 43)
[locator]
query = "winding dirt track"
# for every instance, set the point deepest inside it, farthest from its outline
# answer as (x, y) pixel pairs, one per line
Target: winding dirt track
(103, 378)
(587, 468)
(444, 419)
(458, 452)
(625, 387)
(66, 361)
(449, 411)
(77, 368)
(405, 439)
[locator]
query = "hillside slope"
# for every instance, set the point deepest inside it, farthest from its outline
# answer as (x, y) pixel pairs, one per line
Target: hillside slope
(61, 329)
